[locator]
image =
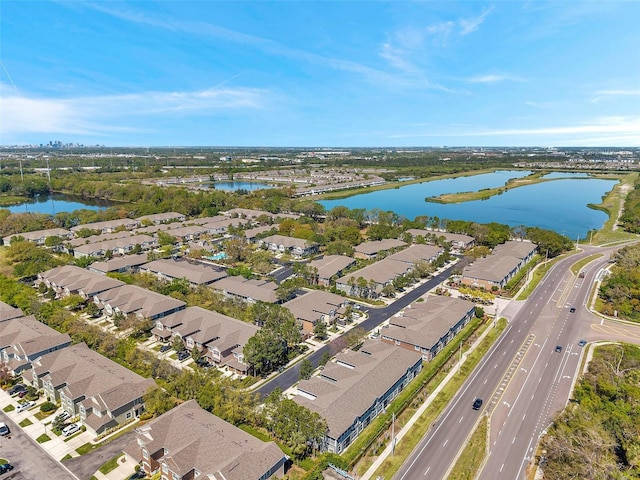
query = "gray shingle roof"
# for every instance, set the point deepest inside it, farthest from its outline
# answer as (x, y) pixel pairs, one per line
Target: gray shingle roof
(330, 265)
(134, 299)
(27, 336)
(377, 366)
(375, 246)
(196, 273)
(194, 439)
(7, 312)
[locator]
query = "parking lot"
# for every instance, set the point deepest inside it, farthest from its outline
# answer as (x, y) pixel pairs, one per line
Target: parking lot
(36, 452)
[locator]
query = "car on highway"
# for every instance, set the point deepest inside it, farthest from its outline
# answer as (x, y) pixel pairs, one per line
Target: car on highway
(477, 403)
(24, 406)
(582, 343)
(5, 467)
(71, 429)
(4, 429)
(559, 348)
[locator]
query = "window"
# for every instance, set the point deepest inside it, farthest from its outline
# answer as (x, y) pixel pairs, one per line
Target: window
(128, 415)
(145, 454)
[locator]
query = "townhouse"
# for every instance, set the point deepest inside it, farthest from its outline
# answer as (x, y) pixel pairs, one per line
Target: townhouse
(69, 279)
(126, 263)
(427, 327)
(297, 247)
(217, 337)
(188, 442)
(195, 273)
(39, 237)
(134, 300)
(459, 242)
(494, 271)
(7, 312)
(249, 290)
(370, 280)
(316, 306)
(23, 339)
(330, 266)
(355, 388)
(102, 392)
(371, 249)
(160, 218)
(117, 246)
(108, 226)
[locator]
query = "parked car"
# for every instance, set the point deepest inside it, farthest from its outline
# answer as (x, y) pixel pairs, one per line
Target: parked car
(71, 429)
(62, 416)
(477, 403)
(24, 406)
(165, 348)
(22, 393)
(4, 429)
(5, 467)
(17, 389)
(183, 355)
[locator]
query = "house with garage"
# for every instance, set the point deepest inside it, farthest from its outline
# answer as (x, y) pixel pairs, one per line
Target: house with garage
(330, 266)
(298, 247)
(196, 274)
(357, 387)
(371, 249)
(138, 301)
(187, 443)
(316, 306)
(69, 279)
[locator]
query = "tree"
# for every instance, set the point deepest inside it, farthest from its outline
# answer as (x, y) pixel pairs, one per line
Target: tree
(320, 330)
(326, 356)
(157, 401)
(306, 369)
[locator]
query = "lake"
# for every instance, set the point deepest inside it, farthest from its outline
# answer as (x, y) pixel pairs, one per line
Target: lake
(559, 205)
(232, 186)
(56, 203)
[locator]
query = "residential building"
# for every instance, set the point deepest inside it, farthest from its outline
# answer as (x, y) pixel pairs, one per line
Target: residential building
(370, 280)
(459, 242)
(23, 339)
(427, 327)
(371, 249)
(117, 246)
(417, 253)
(497, 269)
(160, 218)
(251, 234)
(354, 389)
(7, 312)
(134, 300)
(40, 236)
(297, 247)
(330, 266)
(219, 338)
(195, 273)
(121, 264)
(69, 279)
(188, 442)
(109, 226)
(102, 392)
(249, 290)
(316, 306)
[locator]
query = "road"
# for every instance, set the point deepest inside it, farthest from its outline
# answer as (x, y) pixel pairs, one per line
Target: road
(375, 317)
(30, 460)
(522, 380)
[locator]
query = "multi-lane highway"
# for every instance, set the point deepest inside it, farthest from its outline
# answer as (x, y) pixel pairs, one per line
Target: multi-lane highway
(524, 379)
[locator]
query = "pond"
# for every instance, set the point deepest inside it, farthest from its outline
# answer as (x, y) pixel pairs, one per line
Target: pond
(57, 203)
(560, 205)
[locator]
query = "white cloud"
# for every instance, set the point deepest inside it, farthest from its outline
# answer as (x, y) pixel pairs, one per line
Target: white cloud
(94, 115)
(468, 26)
(489, 78)
(599, 131)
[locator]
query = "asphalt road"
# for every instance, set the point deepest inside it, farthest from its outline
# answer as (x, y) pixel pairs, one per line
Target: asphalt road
(375, 317)
(522, 380)
(30, 460)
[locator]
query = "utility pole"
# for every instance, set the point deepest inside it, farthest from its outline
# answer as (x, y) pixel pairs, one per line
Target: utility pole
(393, 433)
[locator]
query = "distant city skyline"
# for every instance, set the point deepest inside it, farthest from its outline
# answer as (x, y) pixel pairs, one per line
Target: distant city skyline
(333, 73)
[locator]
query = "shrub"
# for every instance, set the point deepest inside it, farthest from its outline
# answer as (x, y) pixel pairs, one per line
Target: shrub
(48, 407)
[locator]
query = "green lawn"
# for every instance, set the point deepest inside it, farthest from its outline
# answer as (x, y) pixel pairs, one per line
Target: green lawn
(9, 408)
(25, 423)
(110, 465)
(43, 438)
(473, 454)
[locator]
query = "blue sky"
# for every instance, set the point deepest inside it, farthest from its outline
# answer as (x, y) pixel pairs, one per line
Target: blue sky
(334, 73)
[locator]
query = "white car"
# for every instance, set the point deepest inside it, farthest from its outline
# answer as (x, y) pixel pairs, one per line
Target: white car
(24, 406)
(71, 429)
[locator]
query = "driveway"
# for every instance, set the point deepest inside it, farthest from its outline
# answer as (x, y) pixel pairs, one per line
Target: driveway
(86, 465)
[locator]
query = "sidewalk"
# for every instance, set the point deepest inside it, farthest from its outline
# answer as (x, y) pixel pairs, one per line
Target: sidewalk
(454, 370)
(56, 446)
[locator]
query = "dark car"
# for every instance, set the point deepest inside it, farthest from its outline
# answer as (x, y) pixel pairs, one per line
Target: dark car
(17, 389)
(165, 348)
(477, 403)
(559, 348)
(5, 467)
(183, 355)
(572, 309)
(22, 393)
